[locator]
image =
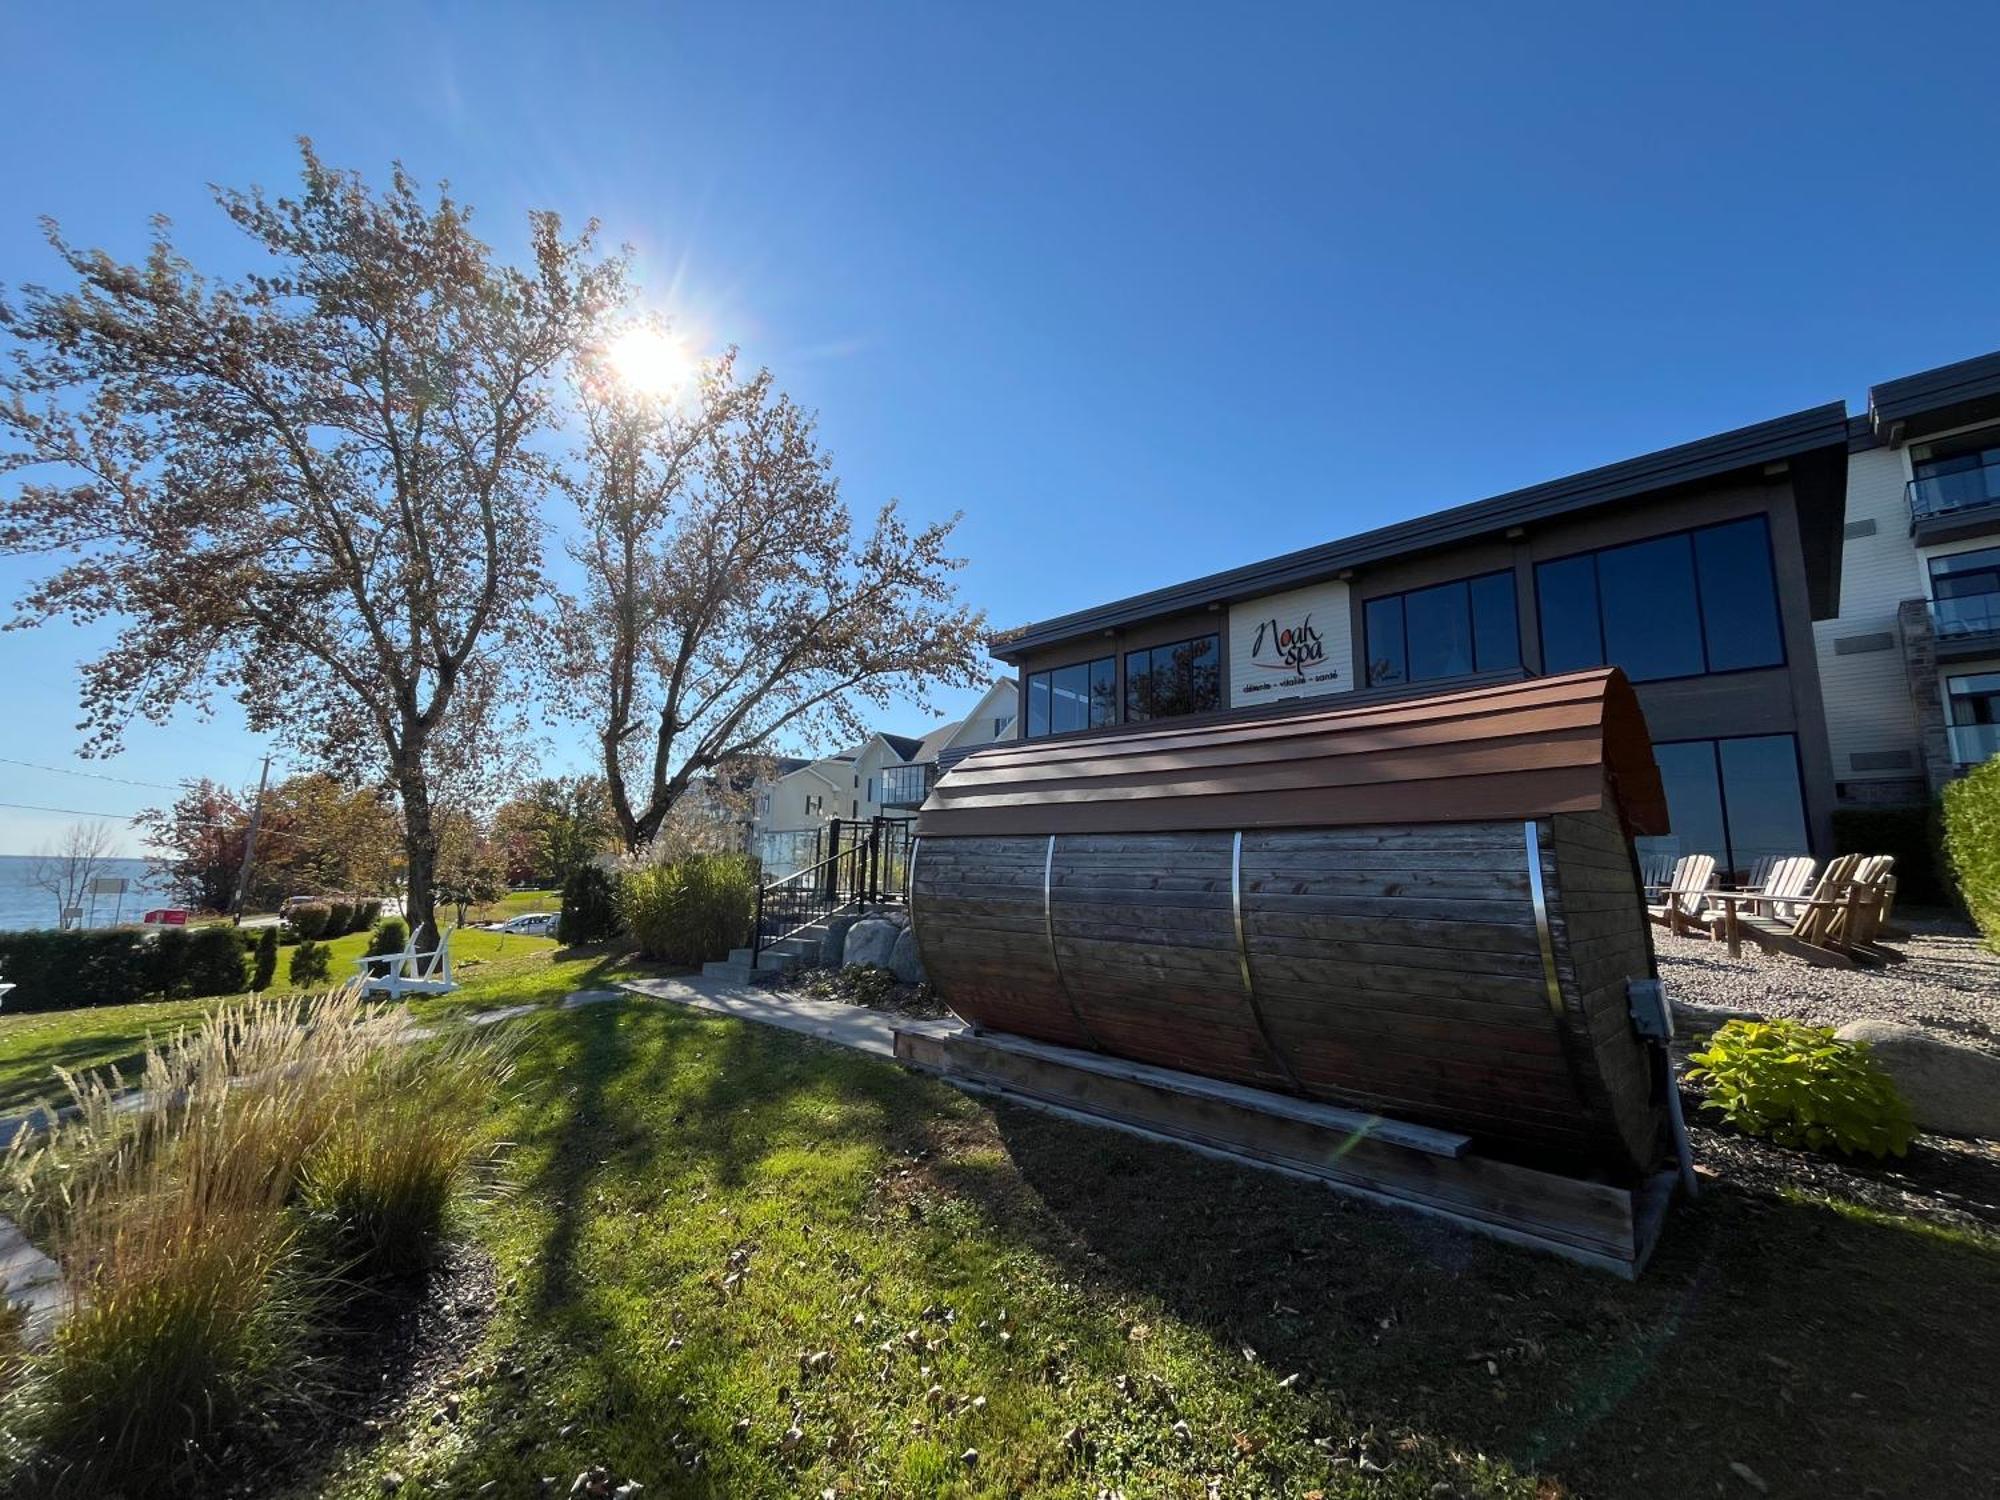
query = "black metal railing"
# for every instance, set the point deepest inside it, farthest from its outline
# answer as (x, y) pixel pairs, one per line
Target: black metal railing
(1941, 494)
(865, 864)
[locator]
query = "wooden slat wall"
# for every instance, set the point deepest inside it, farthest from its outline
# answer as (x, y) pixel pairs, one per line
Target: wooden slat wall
(1393, 968)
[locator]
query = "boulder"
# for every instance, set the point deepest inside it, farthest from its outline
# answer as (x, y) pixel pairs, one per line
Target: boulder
(1951, 1089)
(833, 944)
(871, 941)
(904, 961)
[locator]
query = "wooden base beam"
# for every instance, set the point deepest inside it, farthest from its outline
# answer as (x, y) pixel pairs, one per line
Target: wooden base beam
(1431, 1172)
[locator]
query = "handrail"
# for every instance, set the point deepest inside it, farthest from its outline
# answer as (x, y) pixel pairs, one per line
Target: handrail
(852, 872)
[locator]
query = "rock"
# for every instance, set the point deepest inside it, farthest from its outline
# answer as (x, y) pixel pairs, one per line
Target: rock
(833, 945)
(870, 941)
(1951, 1089)
(904, 961)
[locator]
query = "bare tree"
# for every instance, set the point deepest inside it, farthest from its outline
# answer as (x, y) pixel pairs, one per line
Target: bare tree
(65, 867)
(728, 601)
(314, 485)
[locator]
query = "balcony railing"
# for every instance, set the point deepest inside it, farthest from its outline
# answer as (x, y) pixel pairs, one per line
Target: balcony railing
(1974, 744)
(1941, 494)
(1968, 617)
(907, 786)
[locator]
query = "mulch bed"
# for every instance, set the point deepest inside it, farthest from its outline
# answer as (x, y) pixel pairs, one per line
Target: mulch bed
(397, 1348)
(875, 988)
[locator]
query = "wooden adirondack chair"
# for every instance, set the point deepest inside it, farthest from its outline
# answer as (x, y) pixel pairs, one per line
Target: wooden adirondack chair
(1685, 894)
(408, 972)
(1656, 872)
(1835, 926)
(1787, 883)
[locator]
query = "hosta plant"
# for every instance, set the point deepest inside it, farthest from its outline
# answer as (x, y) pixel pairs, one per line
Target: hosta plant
(1797, 1085)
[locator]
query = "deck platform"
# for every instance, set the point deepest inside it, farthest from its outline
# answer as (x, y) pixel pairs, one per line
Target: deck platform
(1433, 1172)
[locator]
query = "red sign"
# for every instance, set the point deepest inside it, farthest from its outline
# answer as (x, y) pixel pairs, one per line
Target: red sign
(167, 916)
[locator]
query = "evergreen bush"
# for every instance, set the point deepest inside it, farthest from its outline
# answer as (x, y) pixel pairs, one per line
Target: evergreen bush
(311, 963)
(366, 915)
(1911, 834)
(309, 921)
(166, 963)
(214, 962)
(339, 916)
(392, 935)
(264, 965)
(590, 906)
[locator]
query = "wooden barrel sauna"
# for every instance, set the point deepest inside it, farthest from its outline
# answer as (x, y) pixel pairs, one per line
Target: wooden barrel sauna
(1428, 909)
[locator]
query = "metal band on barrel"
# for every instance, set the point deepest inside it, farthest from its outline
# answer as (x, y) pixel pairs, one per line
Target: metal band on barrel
(1542, 933)
(1049, 921)
(1243, 961)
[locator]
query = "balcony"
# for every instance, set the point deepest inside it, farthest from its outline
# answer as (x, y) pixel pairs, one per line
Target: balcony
(1974, 744)
(1950, 507)
(907, 786)
(1966, 626)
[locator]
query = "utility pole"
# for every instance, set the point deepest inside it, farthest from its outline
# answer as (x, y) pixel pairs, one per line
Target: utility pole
(250, 847)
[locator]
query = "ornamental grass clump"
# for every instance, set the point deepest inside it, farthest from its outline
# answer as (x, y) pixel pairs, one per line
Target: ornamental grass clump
(693, 910)
(1800, 1086)
(188, 1230)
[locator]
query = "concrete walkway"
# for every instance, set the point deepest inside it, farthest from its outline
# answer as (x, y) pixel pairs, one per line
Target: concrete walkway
(855, 1026)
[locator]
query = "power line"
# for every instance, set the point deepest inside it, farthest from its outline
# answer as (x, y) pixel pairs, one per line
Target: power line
(34, 765)
(79, 812)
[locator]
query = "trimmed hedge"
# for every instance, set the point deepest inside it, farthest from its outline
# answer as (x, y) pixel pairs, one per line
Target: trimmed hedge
(54, 970)
(1913, 834)
(1972, 840)
(308, 920)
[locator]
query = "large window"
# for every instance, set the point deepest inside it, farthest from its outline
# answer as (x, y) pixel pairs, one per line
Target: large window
(1182, 678)
(1965, 592)
(1445, 631)
(1082, 695)
(1672, 606)
(1737, 799)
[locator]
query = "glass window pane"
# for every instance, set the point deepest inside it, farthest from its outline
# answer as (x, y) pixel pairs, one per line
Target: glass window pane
(1138, 685)
(1566, 593)
(1070, 687)
(1038, 704)
(1966, 573)
(1767, 811)
(1739, 605)
(1651, 625)
(1438, 624)
(1694, 799)
(1204, 682)
(1496, 625)
(1104, 691)
(1384, 623)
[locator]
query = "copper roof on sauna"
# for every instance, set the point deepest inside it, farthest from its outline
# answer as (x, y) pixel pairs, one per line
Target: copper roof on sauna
(1575, 743)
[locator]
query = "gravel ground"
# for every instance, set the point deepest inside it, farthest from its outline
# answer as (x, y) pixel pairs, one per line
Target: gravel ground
(1950, 985)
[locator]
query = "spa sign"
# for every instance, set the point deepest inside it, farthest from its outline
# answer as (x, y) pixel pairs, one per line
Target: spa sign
(1294, 645)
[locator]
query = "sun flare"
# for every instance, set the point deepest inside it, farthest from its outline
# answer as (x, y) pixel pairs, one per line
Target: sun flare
(651, 363)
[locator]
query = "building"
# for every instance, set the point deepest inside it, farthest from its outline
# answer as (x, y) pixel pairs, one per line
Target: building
(1702, 570)
(1911, 666)
(886, 775)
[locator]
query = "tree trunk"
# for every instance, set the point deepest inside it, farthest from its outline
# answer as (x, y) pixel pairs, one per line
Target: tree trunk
(419, 852)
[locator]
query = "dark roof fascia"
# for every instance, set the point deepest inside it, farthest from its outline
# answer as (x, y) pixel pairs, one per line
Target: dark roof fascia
(1782, 438)
(1933, 400)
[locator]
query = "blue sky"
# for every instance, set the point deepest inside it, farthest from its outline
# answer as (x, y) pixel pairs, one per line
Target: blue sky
(1145, 291)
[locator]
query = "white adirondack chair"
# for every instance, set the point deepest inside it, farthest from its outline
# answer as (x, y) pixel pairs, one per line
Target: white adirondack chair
(1686, 893)
(409, 972)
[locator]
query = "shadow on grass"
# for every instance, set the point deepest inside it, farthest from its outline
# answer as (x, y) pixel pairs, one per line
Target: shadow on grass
(1829, 1354)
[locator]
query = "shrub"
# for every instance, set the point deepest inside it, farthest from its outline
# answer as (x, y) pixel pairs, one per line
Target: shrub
(1912, 834)
(589, 907)
(380, 1188)
(200, 1284)
(166, 962)
(311, 963)
(366, 915)
(692, 911)
(214, 962)
(309, 920)
(392, 935)
(264, 966)
(339, 917)
(1799, 1086)
(1972, 842)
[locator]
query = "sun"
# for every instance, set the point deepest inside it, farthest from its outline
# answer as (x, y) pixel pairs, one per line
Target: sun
(651, 363)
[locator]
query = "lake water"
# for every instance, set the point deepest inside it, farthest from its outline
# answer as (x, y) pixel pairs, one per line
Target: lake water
(23, 904)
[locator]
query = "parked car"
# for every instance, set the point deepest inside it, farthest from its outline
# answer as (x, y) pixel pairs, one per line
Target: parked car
(534, 924)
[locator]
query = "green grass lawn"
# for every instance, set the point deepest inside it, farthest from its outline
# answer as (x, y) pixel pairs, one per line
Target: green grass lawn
(740, 1263)
(495, 969)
